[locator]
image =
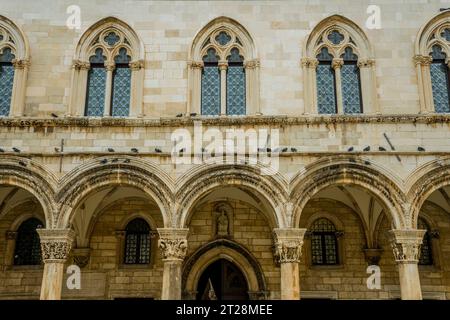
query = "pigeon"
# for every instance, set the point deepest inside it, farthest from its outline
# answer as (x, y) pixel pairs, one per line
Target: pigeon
(284, 150)
(350, 149)
(420, 149)
(54, 115)
(15, 149)
(193, 114)
(182, 150)
(104, 161)
(110, 149)
(158, 150)
(269, 150)
(23, 164)
(293, 149)
(1, 150)
(366, 148)
(381, 149)
(367, 163)
(115, 160)
(126, 161)
(134, 150)
(56, 149)
(179, 115)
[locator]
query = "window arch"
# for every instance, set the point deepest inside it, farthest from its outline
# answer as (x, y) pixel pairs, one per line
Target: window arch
(28, 248)
(108, 73)
(426, 249)
(338, 64)
(223, 71)
(432, 52)
(137, 242)
(14, 63)
(324, 243)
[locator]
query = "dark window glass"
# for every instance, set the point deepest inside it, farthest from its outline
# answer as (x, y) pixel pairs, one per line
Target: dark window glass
(210, 84)
(426, 254)
(324, 243)
(96, 85)
(235, 84)
(28, 245)
(121, 85)
(440, 80)
(326, 85)
(351, 83)
(6, 80)
(137, 242)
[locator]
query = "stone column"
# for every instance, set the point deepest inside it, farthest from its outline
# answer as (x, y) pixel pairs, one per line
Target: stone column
(310, 84)
(55, 247)
(194, 91)
(110, 66)
(337, 65)
(9, 253)
(288, 251)
(223, 66)
(368, 81)
(19, 87)
(422, 64)
(406, 246)
(252, 87)
(137, 88)
(173, 245)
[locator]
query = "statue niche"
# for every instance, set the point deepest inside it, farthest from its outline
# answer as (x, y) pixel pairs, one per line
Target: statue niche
(222, 218)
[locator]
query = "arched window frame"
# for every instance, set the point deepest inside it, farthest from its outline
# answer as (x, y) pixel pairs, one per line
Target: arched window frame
(433, 238)
(93, 39)
(355, 39)
(428, 37)
(251, 64)
(15, 40)
(121, 242)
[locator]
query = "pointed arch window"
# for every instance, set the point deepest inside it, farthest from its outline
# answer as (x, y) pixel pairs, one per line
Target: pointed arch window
(137, 242)
(222, 71)
(426, 253)
(324, 245)
(108, 72)
(440, 80)
(28, 248)
(338, 65)
(6, 79)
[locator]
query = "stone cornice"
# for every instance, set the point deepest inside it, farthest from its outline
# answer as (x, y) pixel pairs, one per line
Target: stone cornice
(223, 121)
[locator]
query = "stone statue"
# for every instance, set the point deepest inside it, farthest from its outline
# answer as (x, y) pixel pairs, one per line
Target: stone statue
(222, 223)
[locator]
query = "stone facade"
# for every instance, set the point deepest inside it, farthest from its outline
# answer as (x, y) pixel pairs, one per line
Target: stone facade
(63, 174)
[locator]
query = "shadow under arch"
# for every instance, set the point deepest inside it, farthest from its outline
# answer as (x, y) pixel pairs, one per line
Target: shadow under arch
(231, 251)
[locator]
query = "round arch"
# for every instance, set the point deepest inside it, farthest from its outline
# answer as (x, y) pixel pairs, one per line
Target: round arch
(332, 172)
(32, 177)
(109, 171)
(231, 251)
(200, 181)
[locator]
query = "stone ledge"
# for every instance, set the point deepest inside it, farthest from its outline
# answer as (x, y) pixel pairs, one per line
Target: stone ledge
(223, 121)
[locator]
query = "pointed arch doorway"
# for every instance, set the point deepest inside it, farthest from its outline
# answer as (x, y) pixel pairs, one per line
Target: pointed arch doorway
(222, 280)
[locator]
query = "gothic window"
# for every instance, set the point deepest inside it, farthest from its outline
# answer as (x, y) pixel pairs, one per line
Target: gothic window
(28, 250)
(222, 69)
(426, 254)
(432, 51)
(13, 68)
(109, 65)
(338, 65)
(324, 245)
(137, 242)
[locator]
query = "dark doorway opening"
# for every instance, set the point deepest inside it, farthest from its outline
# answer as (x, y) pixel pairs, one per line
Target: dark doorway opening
(222, 280)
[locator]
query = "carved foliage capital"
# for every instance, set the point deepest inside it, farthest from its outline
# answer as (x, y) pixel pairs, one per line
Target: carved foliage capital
(56, 244)
(309, 63)
(288, 245)
(173, 243)
(80, 65)
(137, 65)
(422, 60)
(406, 244)
(20, 64)
(195, 64)
(337, 63)
(366, 63)
(251, 64)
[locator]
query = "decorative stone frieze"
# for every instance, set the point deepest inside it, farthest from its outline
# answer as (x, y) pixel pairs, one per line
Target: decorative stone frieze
(288, 245)
(56, 244)
(406, 244)
(172, 243)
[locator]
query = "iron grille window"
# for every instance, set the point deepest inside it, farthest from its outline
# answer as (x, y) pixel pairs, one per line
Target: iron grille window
(211, 84)
(440, 80)
(351, 83)
(96, 85)
(28, 245)
(137, 242)
(6, 80)
(426, 254)
(121, 85)
(326, 84)
(235, 83)
(324, 243)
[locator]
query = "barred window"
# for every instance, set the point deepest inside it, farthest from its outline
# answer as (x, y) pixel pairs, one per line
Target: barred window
(426, 254)
(324, 246)
(440, 80)
(351, 83)
(137, 242)
(211, 84)
(121, 85)
(235, 83)
(326, 84)
(6, 80)
(28, 246)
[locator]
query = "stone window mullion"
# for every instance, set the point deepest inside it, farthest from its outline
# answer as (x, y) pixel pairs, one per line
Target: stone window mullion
(223, 67)
(109, 66)
(337, 66)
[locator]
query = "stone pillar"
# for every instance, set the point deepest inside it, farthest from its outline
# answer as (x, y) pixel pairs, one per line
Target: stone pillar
(422, 64)
(368, 81)
(252, 87)
(173, 245)
(137, 88)
(406, 246)
(110, 66)
(310, 84)
(55, 247)
(223, 66)
(288, 251)
(195, 86)
(19, 87)
(337, 65)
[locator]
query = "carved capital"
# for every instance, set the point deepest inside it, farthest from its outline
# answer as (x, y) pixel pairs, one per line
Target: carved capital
(136, 65)
(366, 63)
(288, 244)
(422, 60)
(406, 244)
(11, 235)
(173, 243)
(337, 63)
(56, 244)
(311, 63)
(195, 64)
(372, 256)
(81, 256)
(80, 65)
(20, 64)
(251, 64)
(223, 65)
(110, 66)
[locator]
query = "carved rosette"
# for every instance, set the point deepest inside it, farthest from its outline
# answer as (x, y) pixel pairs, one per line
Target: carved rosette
(172, 243)
(288, 245)
(406, 245)
(56, 244)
